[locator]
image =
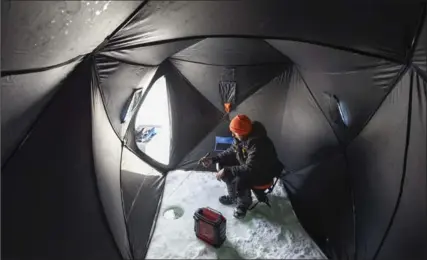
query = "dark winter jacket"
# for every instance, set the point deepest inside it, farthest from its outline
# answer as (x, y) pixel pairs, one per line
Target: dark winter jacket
(256, 157)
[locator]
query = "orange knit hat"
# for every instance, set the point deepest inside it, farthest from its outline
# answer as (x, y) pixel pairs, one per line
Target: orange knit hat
(241, 125)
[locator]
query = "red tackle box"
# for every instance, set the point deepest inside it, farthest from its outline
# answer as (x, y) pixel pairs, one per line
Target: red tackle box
(210, 226)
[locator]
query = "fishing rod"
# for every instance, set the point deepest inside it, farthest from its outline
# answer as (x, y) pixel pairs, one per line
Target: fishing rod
(199, 162)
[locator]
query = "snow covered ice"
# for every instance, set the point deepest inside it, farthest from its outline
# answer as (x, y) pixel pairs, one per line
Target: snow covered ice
(264, 233)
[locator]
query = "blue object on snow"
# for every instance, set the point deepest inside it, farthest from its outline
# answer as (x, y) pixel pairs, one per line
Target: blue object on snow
(222, 143)
(147, 134)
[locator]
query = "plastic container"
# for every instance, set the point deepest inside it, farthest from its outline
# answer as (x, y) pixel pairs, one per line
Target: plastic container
(210, 226)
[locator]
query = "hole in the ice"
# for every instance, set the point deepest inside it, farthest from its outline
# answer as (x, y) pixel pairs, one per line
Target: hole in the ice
(173, 213)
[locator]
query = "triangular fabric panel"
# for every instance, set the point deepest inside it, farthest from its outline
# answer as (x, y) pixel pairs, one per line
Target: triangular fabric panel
(142, 188)
(341, 26)
(231, 51)
(42, 33)
(23, 97)
(315, 169)
(107, 150)
(306, 136)
(267, 106)
(408, 231)
(49, 187)
(349, 99)
(322, 59)
(376, 159)
(420, 53)
(115, 94)
(207, 145)
(148, 55)
(329, 218)
(192, 115)
(206, 78)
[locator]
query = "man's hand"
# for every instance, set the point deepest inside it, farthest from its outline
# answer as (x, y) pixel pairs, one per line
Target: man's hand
(220, 174)
(206, 162)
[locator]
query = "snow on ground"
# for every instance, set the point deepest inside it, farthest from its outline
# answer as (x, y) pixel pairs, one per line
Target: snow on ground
(263, 233)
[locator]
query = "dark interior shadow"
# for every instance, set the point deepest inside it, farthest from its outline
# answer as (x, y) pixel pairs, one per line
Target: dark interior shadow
(227, 251)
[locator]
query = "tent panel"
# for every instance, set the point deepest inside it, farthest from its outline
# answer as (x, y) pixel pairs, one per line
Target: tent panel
(306, 136)
(117, 82)
(231, 51)
(50, 202)
(148, 55)
(206, 78)
(322, 59)
(407, 237)
(207, 145)
(23, 98)
(420, 52)
(349, 99)
(375, 162)
(107, 149)
(142, 188)
(44, 33)
(373, 32)
(192, 116)
(321, 198)
(267, 106)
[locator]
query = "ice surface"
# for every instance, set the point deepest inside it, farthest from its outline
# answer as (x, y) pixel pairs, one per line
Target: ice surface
(263, 233)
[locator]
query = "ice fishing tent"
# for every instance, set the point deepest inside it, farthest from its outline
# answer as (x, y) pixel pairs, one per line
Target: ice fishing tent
(341, 90)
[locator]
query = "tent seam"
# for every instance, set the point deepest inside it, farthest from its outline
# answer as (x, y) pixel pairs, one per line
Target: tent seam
(265, 38)
(98, 83)
(41, 69)
(208, 101)
(319, 107)
(404, 170)
(31, 127)
(125, 61)
(125, 218)
(232, 65)
(394, 83)
(120, 27)
(416, 38)
(155, 218)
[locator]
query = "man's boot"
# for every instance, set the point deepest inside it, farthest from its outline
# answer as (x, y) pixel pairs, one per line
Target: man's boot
(227, 200)
(240, 212)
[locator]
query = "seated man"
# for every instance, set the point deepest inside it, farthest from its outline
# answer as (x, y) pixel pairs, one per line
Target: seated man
(250, 161)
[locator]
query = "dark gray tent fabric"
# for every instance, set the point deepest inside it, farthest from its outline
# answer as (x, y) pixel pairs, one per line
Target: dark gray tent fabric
(50, 202)
(107, 152)
(142, 188)
(231, 52)
(307, 137)
(44, 33)
(341, 26)
(359, 92)
(269, 100)
(206, 145)
(376, 157)
(341, 89)
(206, 78)
(149, 55)
(409, 225)
(23, 97)
(420, 53)
(192, 115)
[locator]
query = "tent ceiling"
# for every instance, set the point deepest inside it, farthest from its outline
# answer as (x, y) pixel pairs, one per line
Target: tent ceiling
(343, 26)
(231, 51)
(44, 33)
(148, 55)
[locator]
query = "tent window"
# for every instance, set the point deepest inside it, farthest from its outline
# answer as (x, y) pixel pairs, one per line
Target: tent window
(338, 110)
(130, 105)
(152, 125)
